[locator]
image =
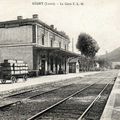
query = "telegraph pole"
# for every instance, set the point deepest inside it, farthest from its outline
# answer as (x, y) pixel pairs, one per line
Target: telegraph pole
(72, 45)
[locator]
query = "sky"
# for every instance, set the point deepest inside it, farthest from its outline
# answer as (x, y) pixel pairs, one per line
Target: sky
(98, 18)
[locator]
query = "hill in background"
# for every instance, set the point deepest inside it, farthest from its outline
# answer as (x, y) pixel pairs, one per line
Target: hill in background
(113, 56)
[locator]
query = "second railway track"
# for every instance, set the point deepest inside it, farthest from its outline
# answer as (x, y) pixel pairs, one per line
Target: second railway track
(18, 97)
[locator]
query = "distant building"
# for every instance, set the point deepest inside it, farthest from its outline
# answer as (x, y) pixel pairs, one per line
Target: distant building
(41, 46)
(74, 65)
(82, 63)
(116, 65)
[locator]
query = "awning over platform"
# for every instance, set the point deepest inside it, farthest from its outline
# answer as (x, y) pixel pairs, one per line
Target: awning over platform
(58, 51)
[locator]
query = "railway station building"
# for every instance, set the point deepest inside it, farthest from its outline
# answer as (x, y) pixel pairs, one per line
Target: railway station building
(42, 47)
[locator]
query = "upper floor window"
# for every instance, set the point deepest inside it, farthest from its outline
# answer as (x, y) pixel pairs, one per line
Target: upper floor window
(65, 47)
(59, 44)
(51, 43)
(43, 40)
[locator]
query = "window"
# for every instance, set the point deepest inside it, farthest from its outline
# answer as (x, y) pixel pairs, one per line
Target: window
(60, 44)
(51, 43)
(43, 41)
(65, 47)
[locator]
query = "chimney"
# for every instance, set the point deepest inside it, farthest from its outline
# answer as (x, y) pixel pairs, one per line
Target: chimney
(52, 26)
(35, 16)
(19, 17)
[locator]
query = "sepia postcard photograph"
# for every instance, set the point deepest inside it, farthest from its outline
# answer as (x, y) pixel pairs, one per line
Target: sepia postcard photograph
(59, 60)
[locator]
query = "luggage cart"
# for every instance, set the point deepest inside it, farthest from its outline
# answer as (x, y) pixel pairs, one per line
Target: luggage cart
(13, 70)
(13, 77)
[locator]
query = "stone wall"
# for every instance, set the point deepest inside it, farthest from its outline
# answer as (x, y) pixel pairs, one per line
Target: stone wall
(24, 53)
(20, 34)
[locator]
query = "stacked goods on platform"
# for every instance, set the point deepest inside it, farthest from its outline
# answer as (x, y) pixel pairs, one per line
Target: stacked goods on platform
(14, 67)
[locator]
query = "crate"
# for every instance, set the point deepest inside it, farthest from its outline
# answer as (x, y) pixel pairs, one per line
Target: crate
(9, 61)
(20, 61)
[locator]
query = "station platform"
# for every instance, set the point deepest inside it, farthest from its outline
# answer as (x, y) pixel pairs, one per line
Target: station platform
(40, 80)
(112, 108)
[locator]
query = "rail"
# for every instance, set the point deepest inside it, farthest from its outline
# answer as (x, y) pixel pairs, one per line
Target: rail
(98, 97)
(20, 101)
(59, 102)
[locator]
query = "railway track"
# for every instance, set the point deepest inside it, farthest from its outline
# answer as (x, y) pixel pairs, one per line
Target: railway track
(52, 112)
(18, 97)
(32, 93)
(34, 103)
(46, 101)
(13, 102)
(37, 87)
(93, 102)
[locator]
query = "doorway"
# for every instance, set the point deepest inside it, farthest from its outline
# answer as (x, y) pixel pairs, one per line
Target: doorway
(42, 72)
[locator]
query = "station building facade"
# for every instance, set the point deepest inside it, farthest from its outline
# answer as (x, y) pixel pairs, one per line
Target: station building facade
(41, 46)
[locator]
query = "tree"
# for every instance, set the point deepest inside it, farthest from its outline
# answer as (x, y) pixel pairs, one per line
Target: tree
(104, 63)
(87, 45)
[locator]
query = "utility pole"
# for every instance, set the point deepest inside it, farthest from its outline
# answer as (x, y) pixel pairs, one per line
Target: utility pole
(72, 45)
(106, 58)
